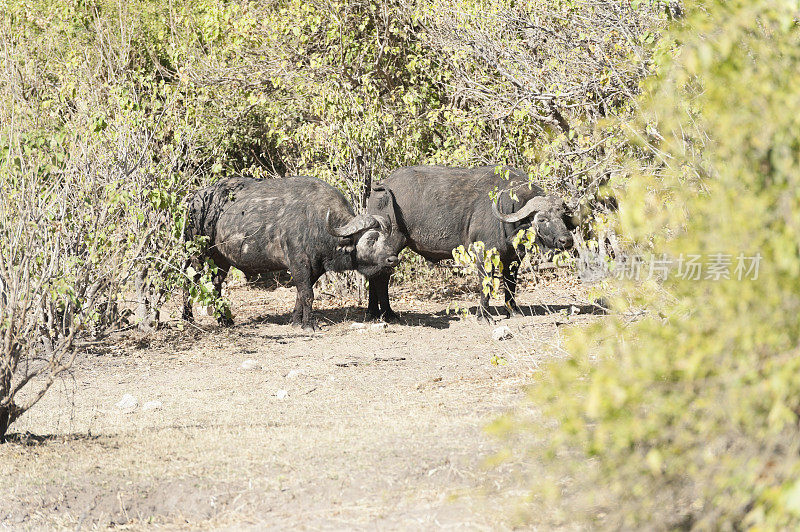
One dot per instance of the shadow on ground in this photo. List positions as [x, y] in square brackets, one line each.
[544, 310]
[353, 314]
[31, 440]
[499, 312]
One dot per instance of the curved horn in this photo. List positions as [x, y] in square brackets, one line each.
[539, 203]
[358, 223]
[383, 221]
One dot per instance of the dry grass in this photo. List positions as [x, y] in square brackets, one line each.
[379, 429]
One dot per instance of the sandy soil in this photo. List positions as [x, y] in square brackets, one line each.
[379, 427]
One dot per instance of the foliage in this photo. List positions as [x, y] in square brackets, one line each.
[203, 293]
[476, 258]
[339, 91]
[688, 417]
[131, 105]
[351, 90]
[543, 79]
[96, 158]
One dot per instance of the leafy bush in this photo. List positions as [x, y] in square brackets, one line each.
[95, 158]
[688, 417]
[125, 107]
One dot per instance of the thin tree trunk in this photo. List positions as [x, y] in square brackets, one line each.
[367, 169]
[143, 317]
[7, 416]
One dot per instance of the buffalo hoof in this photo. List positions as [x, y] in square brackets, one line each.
[311, 327]
[512, 311]
[390, 316]
[484, 318]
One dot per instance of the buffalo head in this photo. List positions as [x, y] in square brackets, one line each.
[381, 202]
[367, 236]
[551, 220]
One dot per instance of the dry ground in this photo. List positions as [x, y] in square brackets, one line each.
[381, 428]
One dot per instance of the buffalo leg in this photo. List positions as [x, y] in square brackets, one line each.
[510, 288]
[297, 313]
[379, 307]
[218, 279]
[373, 308]
[305, 295]
[304, 281]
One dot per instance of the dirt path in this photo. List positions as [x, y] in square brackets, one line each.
[379, 427]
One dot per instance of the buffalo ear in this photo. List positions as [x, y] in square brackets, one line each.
[572, 217]
[380, 201]
[524, 227]
[384, 222]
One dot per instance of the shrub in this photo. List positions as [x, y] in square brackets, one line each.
[92, 183]
[113, 111]
[688, 417]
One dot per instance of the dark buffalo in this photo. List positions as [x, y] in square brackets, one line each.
[436, 209]
[299, 223]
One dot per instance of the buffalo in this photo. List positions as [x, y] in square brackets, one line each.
[435, 209]
[298, 223]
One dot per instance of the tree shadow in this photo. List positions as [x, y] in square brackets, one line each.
[545, 310]
[32, 440]
[434, 320]
[353, 314]
[498, 312]
[357, 314]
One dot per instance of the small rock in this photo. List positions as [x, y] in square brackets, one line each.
[573, 310]
[128, 402]
[502, 333]
[282, 394]
[380, 326]
[251, 364]
[358, 325]
[294, 374]
[152, 405]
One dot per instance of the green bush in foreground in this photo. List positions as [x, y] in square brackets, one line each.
[688, 417]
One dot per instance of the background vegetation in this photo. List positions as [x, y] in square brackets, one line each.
[688, 417]
[113, 111]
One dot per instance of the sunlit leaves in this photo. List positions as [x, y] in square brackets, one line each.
[690, 412]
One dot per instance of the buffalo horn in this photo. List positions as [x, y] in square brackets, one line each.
[383, 221]
[358, 223]
[539, 203]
